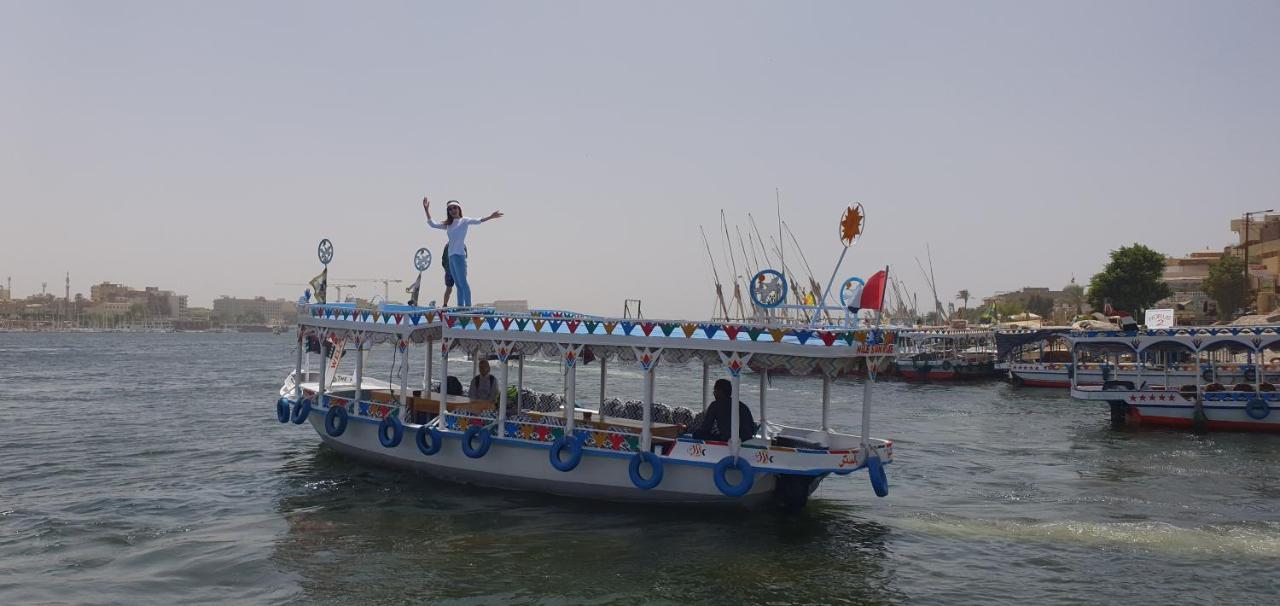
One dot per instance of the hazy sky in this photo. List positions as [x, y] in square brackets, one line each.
[207, 146]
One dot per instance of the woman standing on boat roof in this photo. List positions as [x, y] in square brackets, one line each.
[456, 225]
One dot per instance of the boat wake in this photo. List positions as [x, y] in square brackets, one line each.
[1258, 539]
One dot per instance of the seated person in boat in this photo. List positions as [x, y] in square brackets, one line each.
[453, 386]
[484, 386]
[718, 422]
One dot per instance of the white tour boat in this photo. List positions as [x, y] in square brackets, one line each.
[1042, 358]
[946, 354]
[1162, 398]
[574, 447]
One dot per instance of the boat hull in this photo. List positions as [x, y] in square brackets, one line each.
[518, 465]
[1158, 408]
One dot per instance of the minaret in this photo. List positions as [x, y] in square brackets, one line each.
[67, 297]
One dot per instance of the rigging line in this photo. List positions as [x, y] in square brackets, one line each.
[807, 269]
[777, 197]
[714, 272]
[760, 238]
[795, 287]
[728, 242]
[746, 260]
[934, 284]
[814, 286]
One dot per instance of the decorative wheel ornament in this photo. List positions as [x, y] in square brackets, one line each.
[422, 259]
[768, 288]
[325, 251]
[851, 292]
[852, 223]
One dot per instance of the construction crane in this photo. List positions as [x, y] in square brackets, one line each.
[386, 285]
[336, 287]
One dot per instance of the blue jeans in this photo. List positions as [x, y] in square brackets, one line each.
[458, 269]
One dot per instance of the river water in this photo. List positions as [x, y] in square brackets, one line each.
[147, 468]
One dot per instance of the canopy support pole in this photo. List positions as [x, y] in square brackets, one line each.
[444, 380]
[404, 377]
[324, 367]
[426, 368]
[604, 377]
[764, 419]
[359, 370]
[706, 369]
[297, 373]
[826, 402]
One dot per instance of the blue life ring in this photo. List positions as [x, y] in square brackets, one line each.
[301, 410]
[335, 421]
[472, 432]
[282, 410]
[392, 422]
[1257, 409]
[743, 467]
[425, 432]
[634, 470]
[575, 453]
[1250, 374]
[1207, 375]
[879, 481]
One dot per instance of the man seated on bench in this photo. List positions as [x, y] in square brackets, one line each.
[484, 386]
[718, 422]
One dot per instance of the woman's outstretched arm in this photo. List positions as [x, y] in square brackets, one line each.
[495, 215]
[426, 207]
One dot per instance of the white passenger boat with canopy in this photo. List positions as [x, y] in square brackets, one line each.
[1162, 397]
[581, 446]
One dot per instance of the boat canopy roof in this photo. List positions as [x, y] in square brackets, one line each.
[1193, 338]
[796, 348]
[1009, 341]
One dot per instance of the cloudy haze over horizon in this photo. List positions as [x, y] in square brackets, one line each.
[207, 147]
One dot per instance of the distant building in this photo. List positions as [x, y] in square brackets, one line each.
[1263, 244]
[155, 302]
[510, 306]
[258, 310]
[5, 295]
[1185, 277]
[1061, 308]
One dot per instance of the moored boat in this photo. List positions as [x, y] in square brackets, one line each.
[1154, 399]
[945, 355]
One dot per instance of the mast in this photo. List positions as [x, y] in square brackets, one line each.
[714, 272]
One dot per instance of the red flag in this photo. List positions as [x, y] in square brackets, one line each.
[873, 292]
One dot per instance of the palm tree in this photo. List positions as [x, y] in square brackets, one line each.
[963, 295]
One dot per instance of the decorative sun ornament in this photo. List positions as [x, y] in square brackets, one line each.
[852, 223]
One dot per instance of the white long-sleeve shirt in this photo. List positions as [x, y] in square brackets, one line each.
[457, 233]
